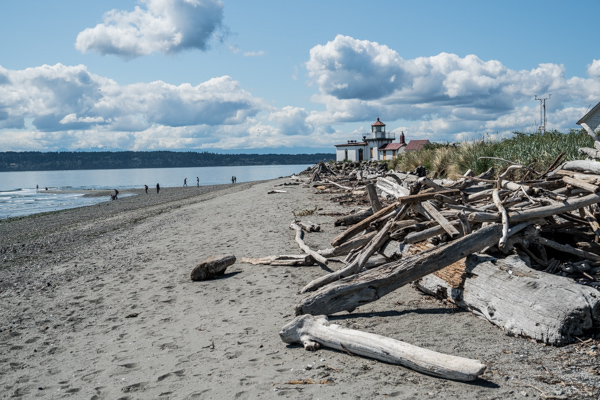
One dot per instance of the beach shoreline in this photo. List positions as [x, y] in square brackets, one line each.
[97, 303]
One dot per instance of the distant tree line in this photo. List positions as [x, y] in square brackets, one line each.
[39, 161]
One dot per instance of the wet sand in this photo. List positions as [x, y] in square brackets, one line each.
[97, 303]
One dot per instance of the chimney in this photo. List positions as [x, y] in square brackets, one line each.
[402, 142]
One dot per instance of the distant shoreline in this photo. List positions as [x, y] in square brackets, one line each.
[69, 161]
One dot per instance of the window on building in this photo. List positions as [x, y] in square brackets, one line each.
[345, 154]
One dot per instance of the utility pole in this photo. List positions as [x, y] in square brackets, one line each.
[543, 121]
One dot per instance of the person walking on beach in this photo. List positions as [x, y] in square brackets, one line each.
[185, 182]
[146, 187]
[114, 196]
[197, 181]
[157, 188]
[233, 179]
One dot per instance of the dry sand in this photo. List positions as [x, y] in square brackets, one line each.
[97, 303]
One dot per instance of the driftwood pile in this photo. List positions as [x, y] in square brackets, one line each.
[524, 255]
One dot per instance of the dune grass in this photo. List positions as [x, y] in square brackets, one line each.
[534, 150]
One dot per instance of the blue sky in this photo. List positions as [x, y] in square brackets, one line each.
[287, 76]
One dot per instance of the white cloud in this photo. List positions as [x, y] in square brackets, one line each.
[77, 109]
[442, 97]
[165, 26]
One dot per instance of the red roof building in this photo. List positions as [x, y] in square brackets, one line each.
[415, 145]
[379, 145]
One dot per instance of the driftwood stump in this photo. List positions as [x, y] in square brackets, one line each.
[212, 267]
[314, 332]
[521, 300]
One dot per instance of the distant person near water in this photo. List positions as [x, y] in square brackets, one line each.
[114, 196]
[185, 182]
[157, 188]
[146, 187]
[233, 179]
[197, 181]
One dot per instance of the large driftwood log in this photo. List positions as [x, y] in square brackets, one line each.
[314, 332]
[521, 300]
[212, 267]
[369, 286]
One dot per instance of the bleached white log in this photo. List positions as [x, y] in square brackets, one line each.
[579, 165]
[314, 332]
[303, 246]
[392, 188]
[521, 300]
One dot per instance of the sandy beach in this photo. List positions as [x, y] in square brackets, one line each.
[97, 303]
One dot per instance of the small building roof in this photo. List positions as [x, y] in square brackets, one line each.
[378, 123]
[416, 145]
[391, 146]
[589, 114]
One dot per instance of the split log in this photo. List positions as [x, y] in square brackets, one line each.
[276, 191]
[521, 300]
[314, 332]
[281, 260]
[369, 286]
[212, 267]
[304, 247]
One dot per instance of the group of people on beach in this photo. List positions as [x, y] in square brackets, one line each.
[233, 179]
[197, 181]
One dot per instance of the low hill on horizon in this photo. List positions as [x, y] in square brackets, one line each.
[51, 161]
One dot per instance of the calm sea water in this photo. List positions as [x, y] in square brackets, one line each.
[19, 197]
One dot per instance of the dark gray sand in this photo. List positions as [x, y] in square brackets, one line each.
[97, 303]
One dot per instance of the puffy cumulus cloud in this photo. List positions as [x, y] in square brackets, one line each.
[444, 96]
[80, 110]
[166, 26]
[291, 121]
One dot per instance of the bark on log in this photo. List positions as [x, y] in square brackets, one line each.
[521, 300]
[212, 267]
[314, 332]
[368, 286]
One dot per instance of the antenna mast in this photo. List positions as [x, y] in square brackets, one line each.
[543, 121]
